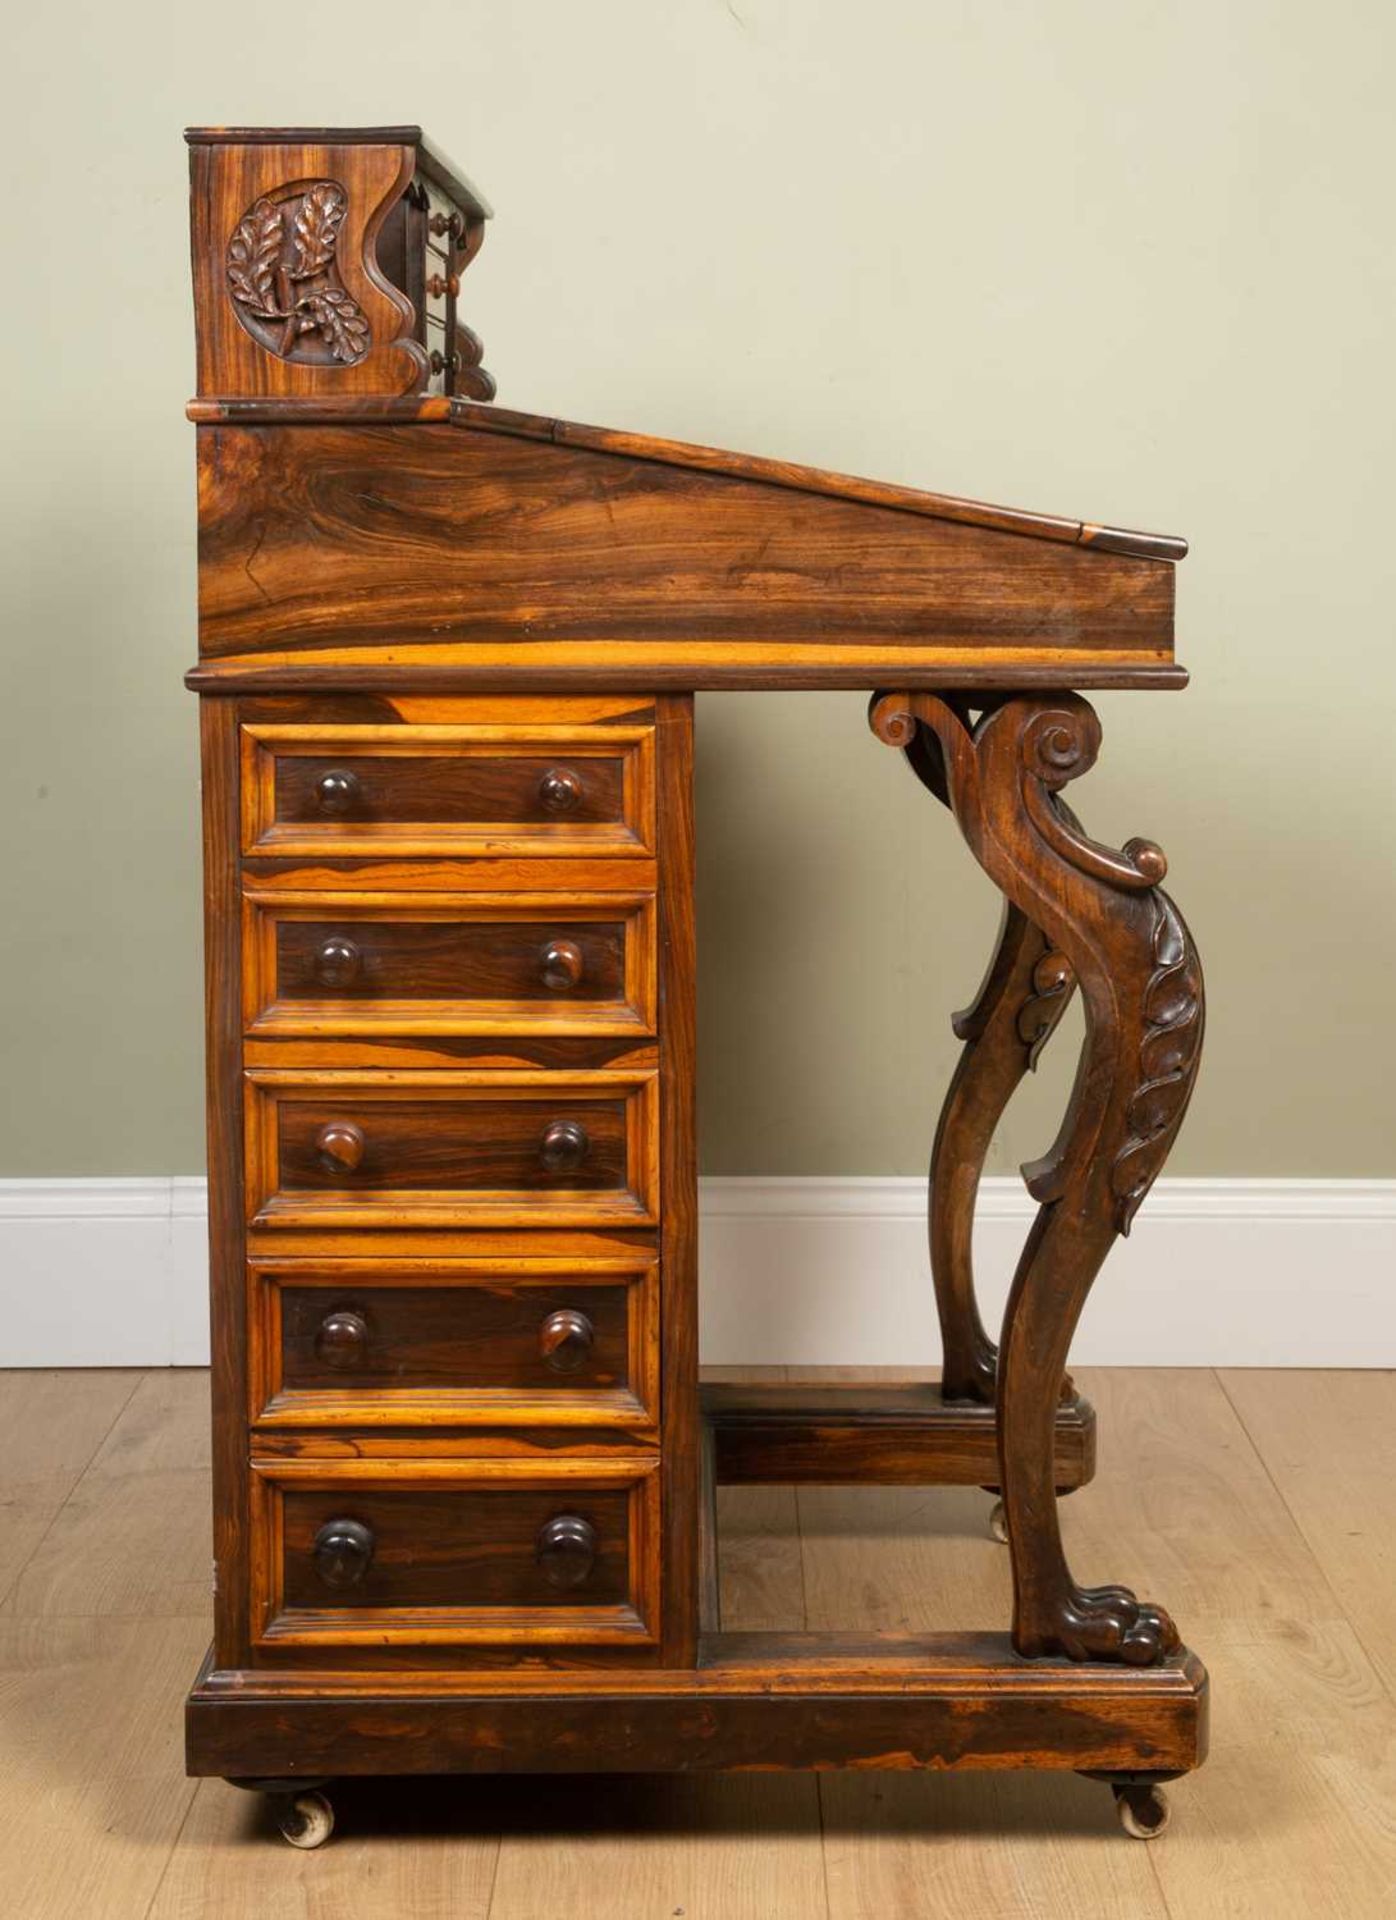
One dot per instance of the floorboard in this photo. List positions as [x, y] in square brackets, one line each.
[1254, 1505]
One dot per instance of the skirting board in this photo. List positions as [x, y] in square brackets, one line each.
[1264, 1273]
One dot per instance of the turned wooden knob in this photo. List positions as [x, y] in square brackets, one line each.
[561, 965]
[564, 1146]
[342, 1339]
[559, 790]
[337, 962]
[566, 1550]
[340, 1145]
[337, 790]
[343, 1552]
[565, 1340]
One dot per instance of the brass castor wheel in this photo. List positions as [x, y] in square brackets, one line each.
[998, 1524]
[1144, 1810]
[305, 1819]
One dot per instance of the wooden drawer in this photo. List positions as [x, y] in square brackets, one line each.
[351, 963]
[454, 1343]
[450, 1148]
[381, 1553]
[517, 789]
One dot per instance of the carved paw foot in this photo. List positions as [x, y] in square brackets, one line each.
[1102, 1623]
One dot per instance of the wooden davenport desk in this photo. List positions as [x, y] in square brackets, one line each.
[463, 1464]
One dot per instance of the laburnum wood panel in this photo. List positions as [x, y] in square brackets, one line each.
[552, 789]
[451, 1148]
[400, 548]
[346, 963]
[427, 1341]
[424, 1552]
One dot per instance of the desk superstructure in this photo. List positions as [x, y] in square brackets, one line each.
[464, 1466]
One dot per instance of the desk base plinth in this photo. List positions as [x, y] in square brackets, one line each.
[769, 1702]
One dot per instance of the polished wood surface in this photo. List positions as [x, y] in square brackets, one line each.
[341, 964]
[421, 1342]
[897, 1433]
[1260, 1497]
[613, 568]
[466, 1486]
[431, 1553]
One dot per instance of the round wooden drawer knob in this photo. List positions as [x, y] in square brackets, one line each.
[565, 1340]
[343, 1552]
[566, 1550]
[338, 961]
[337, 791]
[342, 1339]
[561, 965]
[560, 790]
[340, 1145]
[564, 1146]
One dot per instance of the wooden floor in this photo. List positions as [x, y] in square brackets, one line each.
[1258, 1506]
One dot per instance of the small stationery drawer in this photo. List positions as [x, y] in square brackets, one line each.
[451, 1148]
[339, 790]
[377, 1553]
[461, 1342]
[347, 963]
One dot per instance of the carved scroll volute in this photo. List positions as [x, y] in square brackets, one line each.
[289, 299]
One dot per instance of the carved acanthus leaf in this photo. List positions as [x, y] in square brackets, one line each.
[1168, 1060]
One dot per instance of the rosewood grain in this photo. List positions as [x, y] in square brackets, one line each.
[464, 1486]
[1122, 938]
[904, 1433]
[440, 1342]
[563, 556]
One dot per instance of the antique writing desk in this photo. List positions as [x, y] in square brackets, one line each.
[464, 1468]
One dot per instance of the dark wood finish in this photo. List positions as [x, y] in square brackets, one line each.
[465, 1493]
[327, 263]
[1141, 982]
[763, 1702]
[446, 1550]
[1026, 991]
[445, 1342]
[356, 1150]
[902, 1433]
[421, 1337]
[678, 1176]
[339, 791]
[376, 1554]
[226, 1245]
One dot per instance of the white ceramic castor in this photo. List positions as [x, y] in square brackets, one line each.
[306, 1819]
[998, 1524]
[1144, 1811]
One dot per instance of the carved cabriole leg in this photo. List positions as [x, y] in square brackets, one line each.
[1024, 994]
[1142, 989]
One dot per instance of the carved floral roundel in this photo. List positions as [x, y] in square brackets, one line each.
[283, 277]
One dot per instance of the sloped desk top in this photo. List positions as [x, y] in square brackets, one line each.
[372, 539]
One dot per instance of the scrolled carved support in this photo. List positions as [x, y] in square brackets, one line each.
[1024, 994]
[1141, 984]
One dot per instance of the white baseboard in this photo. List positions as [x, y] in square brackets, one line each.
[1273, 1273]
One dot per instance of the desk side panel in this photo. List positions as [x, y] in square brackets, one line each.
[333, 550]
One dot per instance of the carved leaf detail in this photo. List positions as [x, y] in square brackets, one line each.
[317, 224]
[339, 319]
[253, 255]
[1168, 1060]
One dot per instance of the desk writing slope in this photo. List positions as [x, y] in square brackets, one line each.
[511, 549]
[464, 1469]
